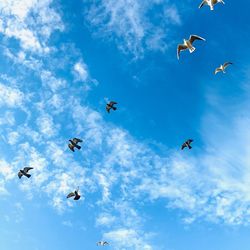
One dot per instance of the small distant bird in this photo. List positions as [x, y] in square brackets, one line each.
[102, 243]
[73, 144]
[110, 106]
[74, 194]
[187, 144]
[210, 3]
[24, 172]
[188, 44]
[222, 67]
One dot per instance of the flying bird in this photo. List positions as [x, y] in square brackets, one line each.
[210, 3]
[188, 44]
[110, 106]
[102, 243]
[74, 194]
[222, 68]
[187, 144]
[74, 144]
[24, 172]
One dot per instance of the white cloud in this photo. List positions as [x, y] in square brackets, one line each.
[32, 31]
[10, 97]
[47, 126]
[128, 22]
[80, 71]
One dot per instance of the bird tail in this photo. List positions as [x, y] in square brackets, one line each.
[192, 49]
[78, 147]
[28, 175]
[114, 108]
[211, 7]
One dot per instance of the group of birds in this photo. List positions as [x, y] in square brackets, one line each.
[188, 43]
[74, 143]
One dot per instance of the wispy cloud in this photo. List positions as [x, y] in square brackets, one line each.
[130, 24]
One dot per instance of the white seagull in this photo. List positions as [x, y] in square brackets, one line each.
[222, 68]
[188, 44]
[210, 3]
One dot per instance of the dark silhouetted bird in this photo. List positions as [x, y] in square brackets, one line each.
[24, 172]
[74, 194]
[222, 67]
[188, 44]
[73, 144]
[102, 243]
[110, 106]
[187, 144]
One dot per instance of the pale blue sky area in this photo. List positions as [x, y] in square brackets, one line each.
[61, 62]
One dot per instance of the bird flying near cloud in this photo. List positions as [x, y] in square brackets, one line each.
[187, 144]
[110, 106]
[210, 3]
[74, 144]
[24, 172]
[222, 68]
[74, 194]
[102, 243]
[188, 44]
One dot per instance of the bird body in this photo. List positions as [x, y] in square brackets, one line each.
[187, 143]
[188, 44]
[74, 144]
[74, 194]
[102, 243]
[24, 172]
[222, 68]
[110, 106]
[210, 3]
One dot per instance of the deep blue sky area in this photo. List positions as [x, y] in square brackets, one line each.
[61, 63]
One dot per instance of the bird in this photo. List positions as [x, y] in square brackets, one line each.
[188, 44]
[210, 3]
[187, 143]
[102, 243]
[110, 106]
[222, 68]
[24, 172]
[73, 144]
[74, 194]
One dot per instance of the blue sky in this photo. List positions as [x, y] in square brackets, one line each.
[61, 61]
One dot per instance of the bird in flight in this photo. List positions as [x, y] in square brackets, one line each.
[102, 243]
[74, 194]
[222, 68]
[110, 106]
[188, 44]
[74, 144]
[210, 3]
[187, 143]
[24, 172]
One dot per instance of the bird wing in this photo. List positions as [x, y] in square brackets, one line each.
[108, 108]
[20, 175]
[72, 194]
[180, 47]
[112, 103]
[71, 147]
[226, 64]
[204, 2]
[76, 140]
[217, 70]
[105, 243]
[190, 140]
[183, 146]
[27, 169]
[192, 38]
